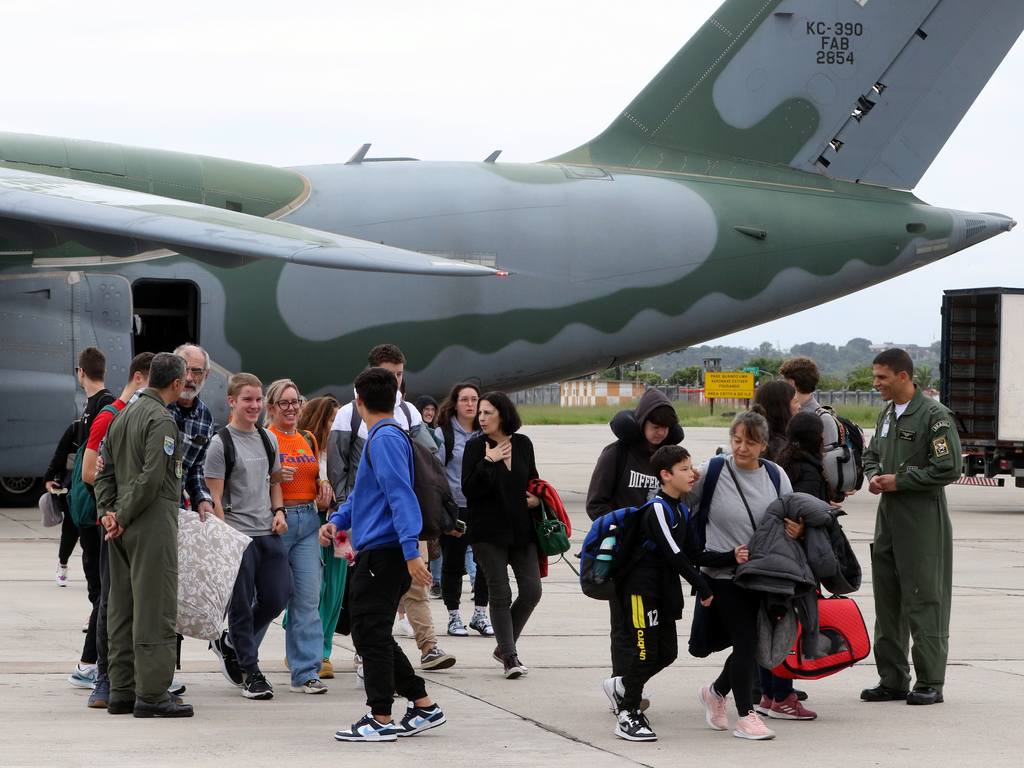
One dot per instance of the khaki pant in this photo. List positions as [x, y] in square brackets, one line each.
[143, 607]
[417, 609]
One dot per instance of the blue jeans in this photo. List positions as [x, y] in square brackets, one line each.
[304, 633]
[435, 570]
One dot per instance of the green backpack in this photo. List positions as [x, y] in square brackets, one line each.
[81, 500]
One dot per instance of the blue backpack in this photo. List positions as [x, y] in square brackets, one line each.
[698, 521]
[622, 524]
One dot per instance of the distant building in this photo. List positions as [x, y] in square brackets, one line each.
[916, 352]
[599, 392]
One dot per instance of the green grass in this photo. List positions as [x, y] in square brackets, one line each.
[690, 414]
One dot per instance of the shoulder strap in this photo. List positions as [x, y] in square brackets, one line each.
[354, 431]
[736, 482]
[621, 456]
[449, 443]
[110, 409]
[710, 481]
[309, 441]
[369, 436]
[408, 416]
[229, 464]
[269, 446]
[773, 474]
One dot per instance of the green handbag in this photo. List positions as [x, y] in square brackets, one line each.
[552, 540]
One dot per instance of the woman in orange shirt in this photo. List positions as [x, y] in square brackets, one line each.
[304, 635]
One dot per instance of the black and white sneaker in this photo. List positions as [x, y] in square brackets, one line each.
[228, 660]
[257, 687]
[513, 667]
[419, 719]
[614, 690]
[368, 729]
[633, 726]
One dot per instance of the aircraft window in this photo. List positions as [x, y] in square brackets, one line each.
[166, 314]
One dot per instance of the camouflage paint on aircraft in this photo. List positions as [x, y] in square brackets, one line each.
[763, 171]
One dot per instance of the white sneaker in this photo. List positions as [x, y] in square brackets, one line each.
[62, 575]
[403, 628]
[360, 678]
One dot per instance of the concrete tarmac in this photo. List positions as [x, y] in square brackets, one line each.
[556, 714]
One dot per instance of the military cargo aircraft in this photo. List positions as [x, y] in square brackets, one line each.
[766, 169]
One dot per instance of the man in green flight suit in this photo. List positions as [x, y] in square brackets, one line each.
[914, 454]
[139, 491]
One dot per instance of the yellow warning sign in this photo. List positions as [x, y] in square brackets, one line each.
[728, 384]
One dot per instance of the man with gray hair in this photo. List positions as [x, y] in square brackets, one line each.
[195, 423]
[138, 492]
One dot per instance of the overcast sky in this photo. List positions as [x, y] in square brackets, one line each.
[304, 83]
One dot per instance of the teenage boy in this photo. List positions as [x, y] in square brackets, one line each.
[385, 518]
[623, 478]
[249, 503]
[649, 589]
[345, 447]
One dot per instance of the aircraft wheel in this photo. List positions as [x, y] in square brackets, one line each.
[20, 491]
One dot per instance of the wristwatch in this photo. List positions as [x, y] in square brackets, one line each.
[282, 510]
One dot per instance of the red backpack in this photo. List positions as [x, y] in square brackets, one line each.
[840, 620]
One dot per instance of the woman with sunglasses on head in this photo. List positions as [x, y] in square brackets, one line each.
[496, 468]
[304, 634]
[456, 421]
[316, 417]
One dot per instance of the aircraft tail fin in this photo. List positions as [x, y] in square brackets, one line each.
[860, 90]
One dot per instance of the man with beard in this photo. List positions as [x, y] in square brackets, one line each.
[195, 423]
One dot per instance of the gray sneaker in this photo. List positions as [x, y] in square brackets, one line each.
[100, 696]
[436, 658]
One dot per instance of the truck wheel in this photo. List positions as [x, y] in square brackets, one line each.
[20, 491]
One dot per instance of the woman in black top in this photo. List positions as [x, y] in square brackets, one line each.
[496, 468]
[802, 455]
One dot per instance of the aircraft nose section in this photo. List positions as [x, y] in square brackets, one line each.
[973, 228]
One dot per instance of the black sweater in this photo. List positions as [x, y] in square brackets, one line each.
[808, 476]
[496, 511]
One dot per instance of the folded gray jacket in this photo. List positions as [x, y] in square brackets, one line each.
[789, 571]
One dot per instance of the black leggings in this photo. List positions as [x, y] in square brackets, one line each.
[90, 538]
[736, 609]
[68, 536]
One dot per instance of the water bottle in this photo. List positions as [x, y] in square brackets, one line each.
[605, 553]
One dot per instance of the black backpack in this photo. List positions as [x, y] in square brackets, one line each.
[229, 460]
[429, 483]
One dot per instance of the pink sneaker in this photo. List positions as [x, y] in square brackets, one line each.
[765, 706]
[753, 727]
[714, 706]
[790, 708]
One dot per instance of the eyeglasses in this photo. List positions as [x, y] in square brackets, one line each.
[289, 405]
[197, 373]
[469, 399]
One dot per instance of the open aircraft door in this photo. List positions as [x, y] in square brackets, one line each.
[45, 321]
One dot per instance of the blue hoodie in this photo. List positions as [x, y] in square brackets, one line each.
[382, 509]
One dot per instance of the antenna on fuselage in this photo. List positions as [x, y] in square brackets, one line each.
[357, 158]
[493, 156]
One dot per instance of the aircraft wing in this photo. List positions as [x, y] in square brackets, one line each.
[41, 211]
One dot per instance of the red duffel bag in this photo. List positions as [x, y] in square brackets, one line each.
[840, 621]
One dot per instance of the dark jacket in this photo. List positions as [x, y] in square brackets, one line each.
[634, 485]
[656, 558]
[496, 510]
[789, 571]
[64, 457]
[808, 476]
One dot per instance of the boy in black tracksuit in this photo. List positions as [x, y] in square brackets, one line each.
[648, 589]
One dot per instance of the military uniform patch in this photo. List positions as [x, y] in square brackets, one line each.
[907, 434]
[940, 446]
[177, 468]
[935, 409]
[169, 445]
[939, 425]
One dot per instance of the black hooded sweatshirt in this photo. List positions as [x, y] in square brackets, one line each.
[634, 485]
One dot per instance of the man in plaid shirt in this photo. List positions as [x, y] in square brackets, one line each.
[195, 423]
